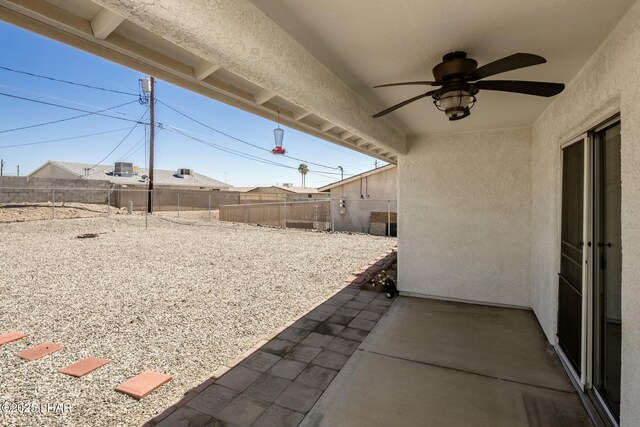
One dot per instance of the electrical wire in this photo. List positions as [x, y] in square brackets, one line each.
[64, 100]
[13, 70]
[135, 146]
[64, 120]
[62, 139]
[121, 141]
[240, 153]
[98, 113]
[241, 140]
[228, 150]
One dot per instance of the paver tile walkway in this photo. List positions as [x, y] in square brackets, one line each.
[280, 382]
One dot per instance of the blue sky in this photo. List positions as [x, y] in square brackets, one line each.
[22, 50]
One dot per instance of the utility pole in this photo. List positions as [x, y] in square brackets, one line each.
[152, 131]
[18, 170]
[1, 166]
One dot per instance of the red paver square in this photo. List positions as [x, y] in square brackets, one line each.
[84, 366]
[11, 336]
[143, 384]
[41, 350]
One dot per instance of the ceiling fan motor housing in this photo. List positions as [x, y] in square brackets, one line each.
[454, 65]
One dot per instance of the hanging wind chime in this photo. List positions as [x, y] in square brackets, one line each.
[278, 133]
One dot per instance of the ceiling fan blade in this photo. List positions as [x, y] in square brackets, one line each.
[516, 86]
[508, 63]
[428, 83]
[403, 103]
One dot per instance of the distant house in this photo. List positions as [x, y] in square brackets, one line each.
[125, 175]
[366, 203]
[277, 193]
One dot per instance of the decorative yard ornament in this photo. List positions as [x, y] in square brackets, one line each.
[277, 136]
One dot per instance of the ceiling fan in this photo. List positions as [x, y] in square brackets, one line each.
[461, 80]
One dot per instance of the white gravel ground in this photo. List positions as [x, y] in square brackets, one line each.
[182, 299]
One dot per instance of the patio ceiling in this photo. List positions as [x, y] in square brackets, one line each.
[369, 42]
[315, 62]
[229, 51]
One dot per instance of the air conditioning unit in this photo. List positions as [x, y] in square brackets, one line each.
[123, 169]
[184, 172]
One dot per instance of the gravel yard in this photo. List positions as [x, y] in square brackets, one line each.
[183, 297]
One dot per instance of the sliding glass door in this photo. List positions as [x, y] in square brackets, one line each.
[607, 267]
[570, 279]
[590, 277]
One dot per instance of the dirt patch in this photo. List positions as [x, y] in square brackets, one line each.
[43, 211]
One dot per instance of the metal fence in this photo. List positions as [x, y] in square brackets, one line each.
[174, 200]
[29, 203]
[371, 216]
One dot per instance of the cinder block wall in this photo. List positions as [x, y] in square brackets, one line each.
[23, 189]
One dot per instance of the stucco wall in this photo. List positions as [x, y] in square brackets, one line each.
[379, 193]
[54, 172]
[607, 84]
[466, 216]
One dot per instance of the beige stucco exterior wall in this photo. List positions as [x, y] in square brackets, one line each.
[379, 193]
[609, 83]
[466, 216]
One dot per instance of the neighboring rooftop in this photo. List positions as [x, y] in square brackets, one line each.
[188, 178]
[289, 188]
[356, 177]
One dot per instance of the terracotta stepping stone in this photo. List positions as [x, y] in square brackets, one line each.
[143, 384]
[41, 350]
[84, 366]
[11, 336]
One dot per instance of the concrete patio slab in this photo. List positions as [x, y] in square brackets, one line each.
[378, 390]
[443, 364]
[499, 342]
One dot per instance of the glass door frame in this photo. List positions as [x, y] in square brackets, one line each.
[581, 378]
[584, 380]
[601, 406]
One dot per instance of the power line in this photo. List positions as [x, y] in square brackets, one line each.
[239, 153]
[64, 120]
[134, 146]
[141, 143]
[62, 139]
[69, 108]
[58, 98]
[241, 140]
[228, 150]
[122, 140]
[67, 81]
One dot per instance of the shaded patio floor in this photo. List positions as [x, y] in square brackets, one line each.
[437, 363]
[354, 361]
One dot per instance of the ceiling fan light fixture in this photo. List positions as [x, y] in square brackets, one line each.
[461, 79]
[455, 103]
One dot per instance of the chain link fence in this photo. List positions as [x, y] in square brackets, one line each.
[371, 216]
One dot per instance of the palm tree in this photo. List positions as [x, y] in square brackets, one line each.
[303, 169]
